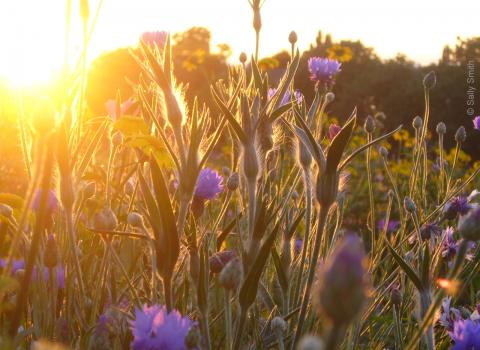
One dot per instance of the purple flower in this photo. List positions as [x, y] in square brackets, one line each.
[52, 201]
[218, 260]
[287, 97]
[392, 225]
[429, 230]
[17, 264]
[297, 246]
[157, 38]
[449, 314]
[323, 70]
[476, 123]
[459, 205]
[155, 328]
[466, 335]
[449, 244]
[209, 184]
[333, 130]
[60, 271]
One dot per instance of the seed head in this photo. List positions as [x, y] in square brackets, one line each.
[329, 97]
[278, 325]
[242, 58]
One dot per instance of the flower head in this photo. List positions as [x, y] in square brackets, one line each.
[476, 123]
[155, 328]
[466, 335]
[323, 70]
[52, 201]
[392, 225]
[449, 314]
[459, 205]
[430, 229]
[209, 184]
[157, 38]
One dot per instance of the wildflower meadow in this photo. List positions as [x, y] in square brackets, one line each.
[258, 220]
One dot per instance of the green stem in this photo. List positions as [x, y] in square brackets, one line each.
[228, 320]
[370, 193]
[240, 328]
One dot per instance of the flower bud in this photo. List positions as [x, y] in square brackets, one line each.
[441, 128]
[333, 130]
[430, 80]
[251, 164]
[231, 275]
[6, 210]
[369, 125]
[469, 225]
[292, 37]
[117, 139]
[342, 284]
[226, 171]
[409, 205]
[396, 296]
[310, 342]
[326, 188]
[135, 220]
[417, 122]
[89, 190]
[50, 255]
[242, 58]
[105, 220]
[329, 97]
[233, 181]
[279, 326]
[461, 134]
[383, 152]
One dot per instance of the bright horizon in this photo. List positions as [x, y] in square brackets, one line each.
[35, 50]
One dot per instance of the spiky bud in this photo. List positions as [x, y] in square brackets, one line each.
[369, 125]
[409, 205]
[461, 135]
[343, 284]
[383, 152]
[441, 128]
[430, 80]
[292, 37]
[135, 220]
[242, 58]
[233, 181]
[50, 255]
[231, 275]
[469, 225]
[279, 326]
[310, 342]
[417, 122]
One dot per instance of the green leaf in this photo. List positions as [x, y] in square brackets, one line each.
[230, 117]
[411, 274]
[339, 143]
[150, 145]
[282, 276]
[130, 125]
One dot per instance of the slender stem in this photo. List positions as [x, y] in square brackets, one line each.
[240, 327]
[450, 175]
[257, 44]
[442, 168]
[398, 328]
[183, 208]
[334, 338]
[167, 288]
[322, 218]
[395, 191]
[228, 320]
[370, 193]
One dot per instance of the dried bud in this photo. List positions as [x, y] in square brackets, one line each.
[117, 139]
[409, 205]
[242, 58]
[430, 80]
[279, 326]
[342, 282]
[383, 152]
[233, 181]
[461, 134]
[50, 255]
[417, 122]
[6, 210]
[310, 342]
[135, 220]
[292, 37]
[231, 275]
[105, 220]
[441, 128]
[469, 225]
[192, 339]
[396, 296]
[369, 125]
[89, 190]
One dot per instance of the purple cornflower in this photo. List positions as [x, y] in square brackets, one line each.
[218, 260]
[476, 123]
[155, 328]
[287, 97]
[157, 38]
[297, 246]
[449, 244]
[209, 184]
[459, 205]
[392, 225]
[465, 335]
[333, 130]
[430, 229]
[323, 70]
[449, 314]
[52, 201]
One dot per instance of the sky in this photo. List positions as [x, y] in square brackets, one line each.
[32, 32]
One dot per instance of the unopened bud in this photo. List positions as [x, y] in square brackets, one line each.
[135, 220]
[369, 125]
[461, 134]
[105, 220]
[292, 37]
[279, 326]
[417, 122]
[226, 171]
[329, 97]
[310, 342]
[396, 296]
[117, 139]
[469, 225]
[50, 256]
[409, 205]
[231, 275]
[250, 162]
[242, 58]
[430, 80]
[441, 128]
[383, 152]
[257, 19]
[233, 181]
